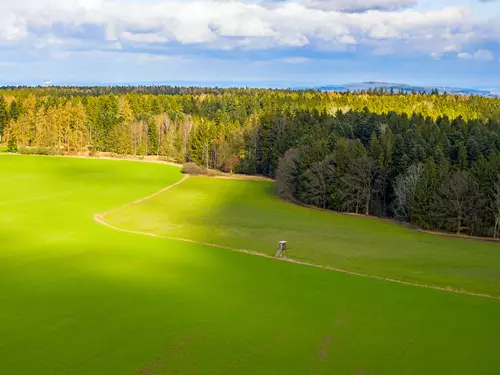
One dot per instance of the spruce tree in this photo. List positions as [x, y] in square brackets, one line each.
[12, 145]
[153, 138]
[3, 116]
[14, 110]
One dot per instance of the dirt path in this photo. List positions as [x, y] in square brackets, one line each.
[102, 156]
[462, 236]
[154, 160]
[100, 218]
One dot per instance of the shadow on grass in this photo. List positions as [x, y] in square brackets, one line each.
[249, 215]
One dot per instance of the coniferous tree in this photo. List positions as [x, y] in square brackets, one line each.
[152, 138]
[4, 117]
[495, 203]
[14, 110]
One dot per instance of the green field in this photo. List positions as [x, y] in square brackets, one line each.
[248, 215]
[77, 297]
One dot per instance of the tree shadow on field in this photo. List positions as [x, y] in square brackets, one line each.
[250, 215]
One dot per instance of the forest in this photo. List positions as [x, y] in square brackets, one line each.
[423, 158]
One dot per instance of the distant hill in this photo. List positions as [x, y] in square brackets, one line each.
[397, 87]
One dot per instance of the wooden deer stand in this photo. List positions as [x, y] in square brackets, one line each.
[281, 253]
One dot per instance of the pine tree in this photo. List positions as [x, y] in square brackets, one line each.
[14, 110]
[12, 145]
[462, 163]
[153, 138]
[495, 203]
[3, 116]
[422, 203]
[201, 142]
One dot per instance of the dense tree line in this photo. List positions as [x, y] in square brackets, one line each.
[438, 174]
[429, 159]
[116, 90]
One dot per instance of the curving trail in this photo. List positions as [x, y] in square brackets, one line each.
[100, 218]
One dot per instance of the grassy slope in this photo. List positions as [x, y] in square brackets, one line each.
[247, 214]
[80, 298]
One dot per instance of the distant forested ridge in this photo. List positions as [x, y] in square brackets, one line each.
[428, 159]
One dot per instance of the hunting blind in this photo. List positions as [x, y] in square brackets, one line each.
[281, 253]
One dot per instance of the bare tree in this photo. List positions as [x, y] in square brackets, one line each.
[459, 195]
[319, 180]
[357, 183]
[405, 189]
[287, 173]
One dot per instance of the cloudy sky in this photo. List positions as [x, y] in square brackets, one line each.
[254, 42]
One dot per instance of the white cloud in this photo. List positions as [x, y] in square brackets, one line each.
[451, 48]
[384, 26]
[143, 37]
[464, 56]
[12, 27]
[480, 55]
[358, 5]
[483, 55]
[297, 60]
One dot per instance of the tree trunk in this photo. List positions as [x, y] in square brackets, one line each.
[459, 222]
[67, 135]
[325, 197]
[384, 196]
[205, 151]
[367, 210]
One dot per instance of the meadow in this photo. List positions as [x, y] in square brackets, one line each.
[249, 215]
[78, 297]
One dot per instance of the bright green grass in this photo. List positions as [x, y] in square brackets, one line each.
[78, 298]
[248, 214]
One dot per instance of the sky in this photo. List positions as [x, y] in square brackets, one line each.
[269, 43]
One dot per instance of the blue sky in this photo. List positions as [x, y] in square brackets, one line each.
[254, 42]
